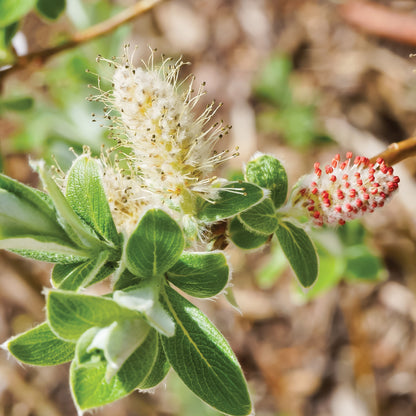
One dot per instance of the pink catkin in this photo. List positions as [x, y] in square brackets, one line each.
[345, 190]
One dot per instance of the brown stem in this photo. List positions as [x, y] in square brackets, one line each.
[380, 20]
[396, 152]
[100, 29]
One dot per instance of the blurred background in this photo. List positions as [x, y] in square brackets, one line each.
[299, 79]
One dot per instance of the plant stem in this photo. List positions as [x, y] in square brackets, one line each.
[98, 30]
[396, 152]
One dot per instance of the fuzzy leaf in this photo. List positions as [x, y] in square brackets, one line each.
[203, 359]
[232, 199]
[244, 238]
[71, 314]
[261, 218]
[51, 9]
[25, 211]
[267, 172]
[40, 346]
[155, 245]
[88, 372]
[75, 276]
[76, 229]
[200, 274]
[159, 370]
[300, 252]
[85, 194]
[12, 10]
[43, 249]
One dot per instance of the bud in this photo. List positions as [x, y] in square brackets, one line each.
[343, 191]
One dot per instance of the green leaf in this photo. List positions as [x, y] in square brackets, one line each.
[71, 314]
[85, 194]
[203, 359]
[16, 103]
[300, 252]
[43, 249]
[267, 172]
[24, 211]
[261, 218]
[40, 346]
[273, 83]
[363, 264]
[88, 372]
[200, 274]
[77, 230]
[155, 245]
[75, 276]
[9, 33]
[12, 10]
[159, 370]
[51, 9]
[244, 238]
[232, 199]
[126, 279]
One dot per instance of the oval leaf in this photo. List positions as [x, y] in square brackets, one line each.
[203, 359]
[51, 9]
[40, 346]
[71, 314]
[232, 199]
[155, 245]
[244, 238]
[200, 274]
[261, 218]
[85, 194]
[300, 252]
[267, 172]
[88, 372]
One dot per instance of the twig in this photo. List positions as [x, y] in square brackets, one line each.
[380, 20]
[396, 152]
[84, 36]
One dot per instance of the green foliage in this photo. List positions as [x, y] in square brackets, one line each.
[11, 10]
[84, 178]
[300, 252]
[261, 218]
[51, 9]
[16, 104]
[71, 314]
[40, 346]
[244, 238]
[89, 384]
[280, 112]
[202, 275]
[203, 359]
[155, 245]
[233, 198]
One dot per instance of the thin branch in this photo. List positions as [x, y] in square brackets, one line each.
[379, 20]
[96, 31]
[396, 152]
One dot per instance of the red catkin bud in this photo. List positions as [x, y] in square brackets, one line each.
[329, 198]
